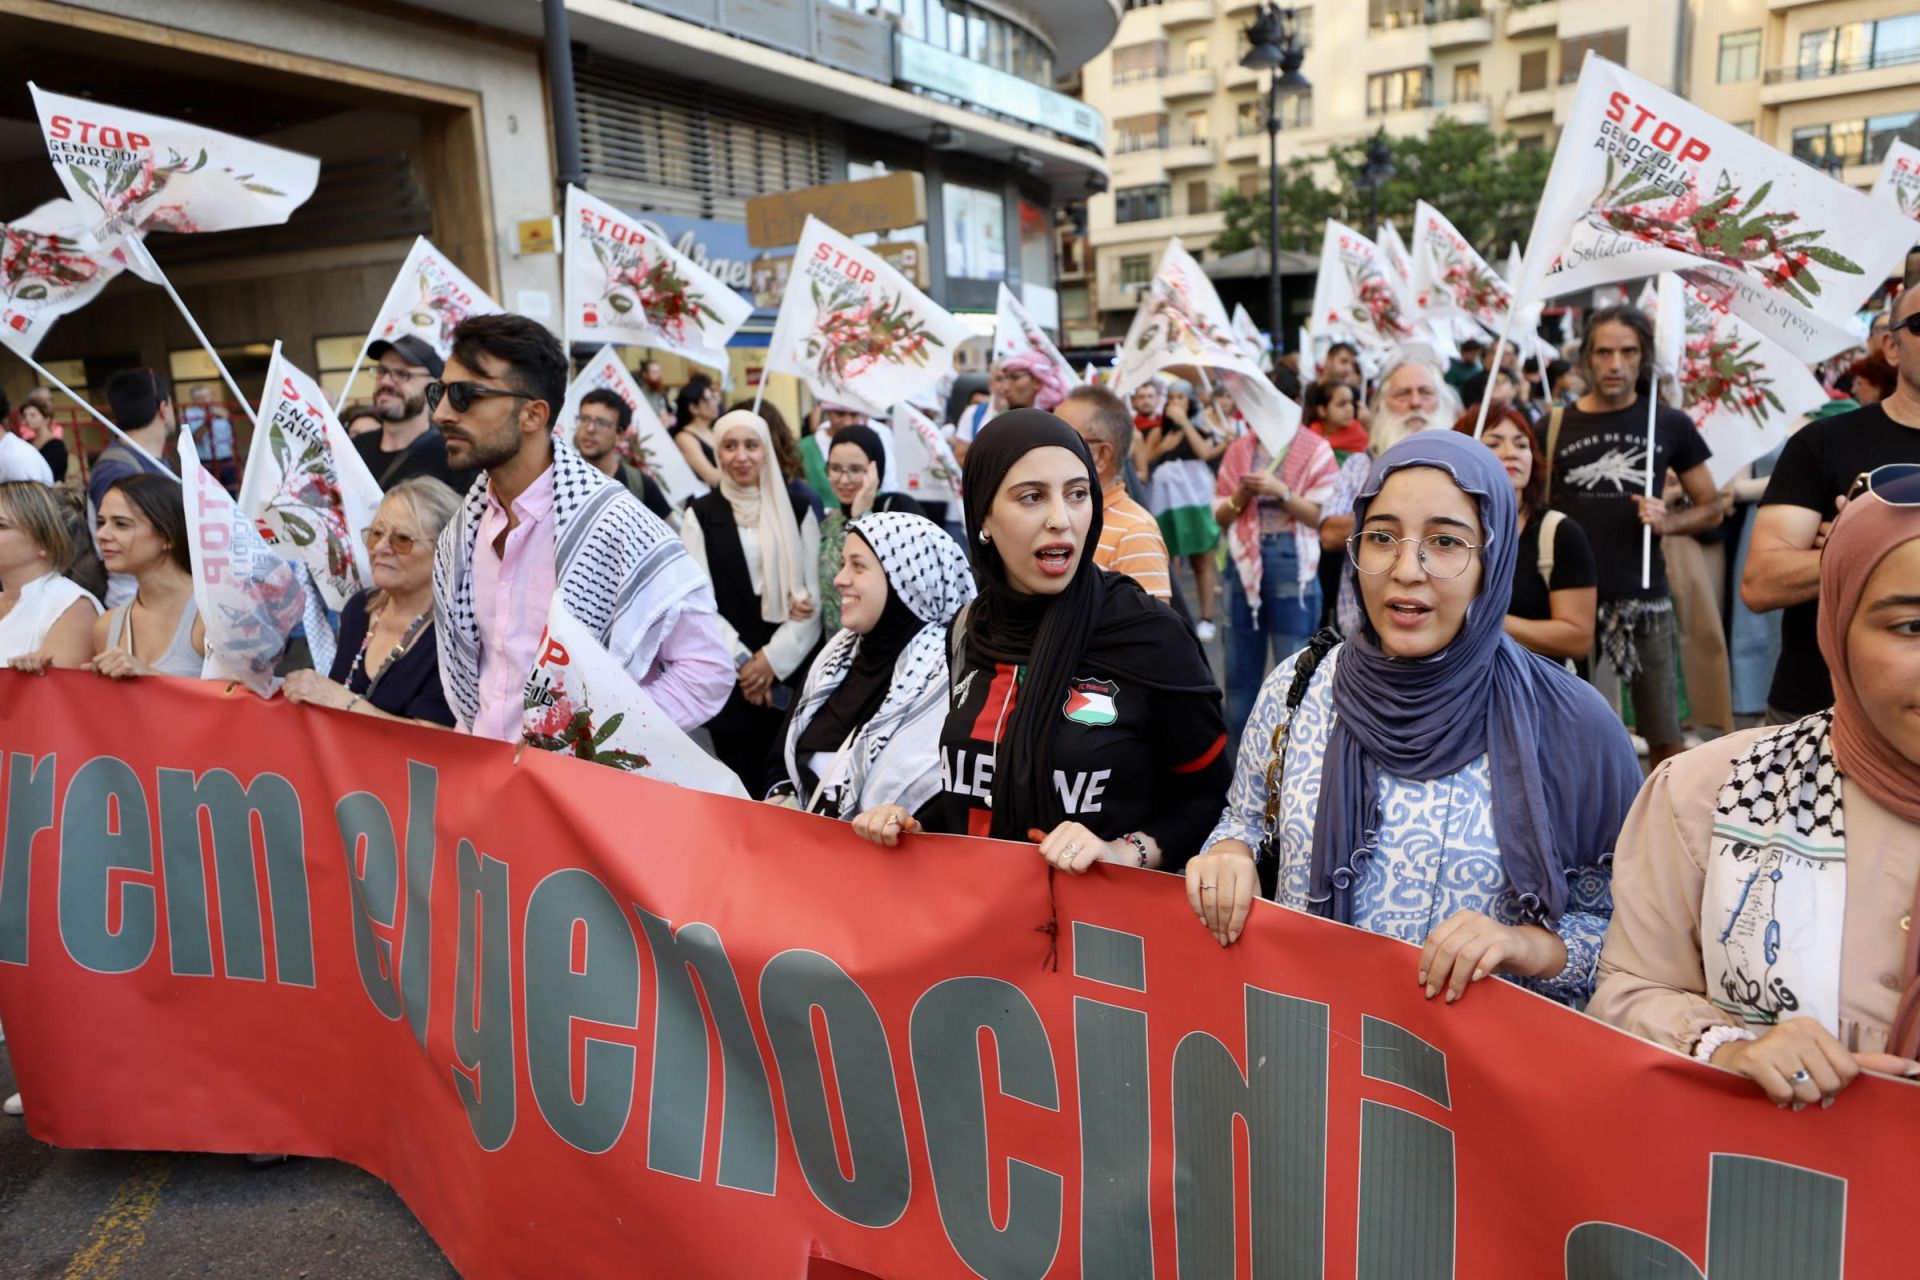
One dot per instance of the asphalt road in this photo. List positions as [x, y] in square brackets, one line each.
[90, 1215]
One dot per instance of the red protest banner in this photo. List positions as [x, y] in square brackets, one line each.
[588, 1024]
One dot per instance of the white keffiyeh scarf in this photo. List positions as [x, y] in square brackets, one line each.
[1773, 908]
[895, 757]
[618, 568]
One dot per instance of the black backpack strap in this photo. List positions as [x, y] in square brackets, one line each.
[1304, 665]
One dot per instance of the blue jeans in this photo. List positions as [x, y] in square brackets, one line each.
[1289, 615]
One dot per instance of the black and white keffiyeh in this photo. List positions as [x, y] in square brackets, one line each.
[618, 567]
[894, 758]
[1773, 907]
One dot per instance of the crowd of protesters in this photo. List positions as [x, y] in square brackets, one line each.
[1430, 636]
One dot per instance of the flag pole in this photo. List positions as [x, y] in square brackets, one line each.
[346, 388]
[1646, 530]
[140, 248]
[1493, 366]
[94, 413]
[760, 389]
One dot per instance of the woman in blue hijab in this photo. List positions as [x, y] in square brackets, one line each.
[1433, 781]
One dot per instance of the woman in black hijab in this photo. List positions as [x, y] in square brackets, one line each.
[856, 466]
[1084, 715]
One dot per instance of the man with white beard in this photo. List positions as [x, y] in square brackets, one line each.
[1412, 396]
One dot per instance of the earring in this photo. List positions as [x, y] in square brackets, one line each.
[983, 537]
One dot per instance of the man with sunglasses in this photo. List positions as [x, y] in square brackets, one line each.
[407, 445]
[545, 521]
[1817, 468]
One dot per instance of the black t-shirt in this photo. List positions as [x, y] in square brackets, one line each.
[1599, 463]
[1125, 758]
[1573, 568]
[410, 687]
[1820, 463]
[426, 456]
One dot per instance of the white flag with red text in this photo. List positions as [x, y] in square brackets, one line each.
[649, 442]
[1353, 298]
[48, 269]
[1450, 278]
[1181, 321]
[1742, 389]
[428, 300]
[579, 701]
[307, 488]
[1644, 182]
[134, 172]
[625, 284]
[855, 330]
[249, 597]
[1899, 180]
[927, 467]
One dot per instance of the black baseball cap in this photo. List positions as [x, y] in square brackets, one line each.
[413, 349]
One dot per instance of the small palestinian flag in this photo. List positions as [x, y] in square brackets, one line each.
[1090, 702]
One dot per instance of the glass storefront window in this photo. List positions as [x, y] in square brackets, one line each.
[975, 223]
[1036, 245]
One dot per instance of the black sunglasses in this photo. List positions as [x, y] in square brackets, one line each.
[461, 395]
[1911, 324]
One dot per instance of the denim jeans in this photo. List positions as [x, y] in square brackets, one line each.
[1289, 615]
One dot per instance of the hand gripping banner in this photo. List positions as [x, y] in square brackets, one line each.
[588, 1024]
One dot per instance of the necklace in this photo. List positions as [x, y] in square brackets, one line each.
[405, 642]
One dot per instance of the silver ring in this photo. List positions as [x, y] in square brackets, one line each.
[1205, 887]
[1070, 851]
[1800, 1077]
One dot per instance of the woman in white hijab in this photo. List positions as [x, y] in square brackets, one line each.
[866, 728]
[759, 541]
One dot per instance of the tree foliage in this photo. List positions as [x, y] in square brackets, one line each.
[1485, 184]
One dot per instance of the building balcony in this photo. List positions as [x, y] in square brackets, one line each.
[1151, 234]
[1801, 84]
[1233, 7]
[1473, 110]
[1528, 104]
[1185, 13]
[1187, 84]
[1191, 154]
[1461, 29]
[1533, 19]
[1244, 146]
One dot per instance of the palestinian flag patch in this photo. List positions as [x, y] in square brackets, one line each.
[1090, 702]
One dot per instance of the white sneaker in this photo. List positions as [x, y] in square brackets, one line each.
[1207, 632]
[13, 1106]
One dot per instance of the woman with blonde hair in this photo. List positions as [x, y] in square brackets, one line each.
[46, 620]
[387, 663]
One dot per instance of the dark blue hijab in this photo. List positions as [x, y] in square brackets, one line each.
[1429, 717]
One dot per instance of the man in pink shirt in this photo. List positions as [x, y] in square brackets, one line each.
[547, 521]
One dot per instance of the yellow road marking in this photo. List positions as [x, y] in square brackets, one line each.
[121, 1229]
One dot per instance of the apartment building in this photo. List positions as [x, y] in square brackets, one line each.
[1188, 122]
[1833, 83]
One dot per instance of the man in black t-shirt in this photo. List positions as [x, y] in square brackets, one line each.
[407, 444]
[1599, 474]
[1816, 469]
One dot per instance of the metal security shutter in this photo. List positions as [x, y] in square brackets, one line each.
[649, 141]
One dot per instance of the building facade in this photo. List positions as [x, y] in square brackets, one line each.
[1189, 122]
[431, 118]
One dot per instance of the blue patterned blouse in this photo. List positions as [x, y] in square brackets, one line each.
[1436, 854]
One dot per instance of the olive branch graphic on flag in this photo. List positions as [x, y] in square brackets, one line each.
[133, 179]
[1720, 374]
[853, 334]
[1728, 228]
[34, 263]
[667, 300]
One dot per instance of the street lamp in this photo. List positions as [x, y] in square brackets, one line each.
[1273, 46]
[1374, 174]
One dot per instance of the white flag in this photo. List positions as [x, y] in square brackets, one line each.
[855, 330]
[1742, 389]
[659, 456]
[1252, 341]
[1899, 180]
[1397, 262]
[429, 299]
[47, 270]
[625, 284]
[1644, 182]
[927, 467]
[1663, 299]
[580, 702]
[1015, 333]
[1269, 414]
[1450, 278]
[1353, 298]
[1181, 321]
[1309, 364]
[138, 173]
[249, 598]
[307, 488]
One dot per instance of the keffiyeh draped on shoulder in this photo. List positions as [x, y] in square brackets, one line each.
[620, 569]
[893, 757]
